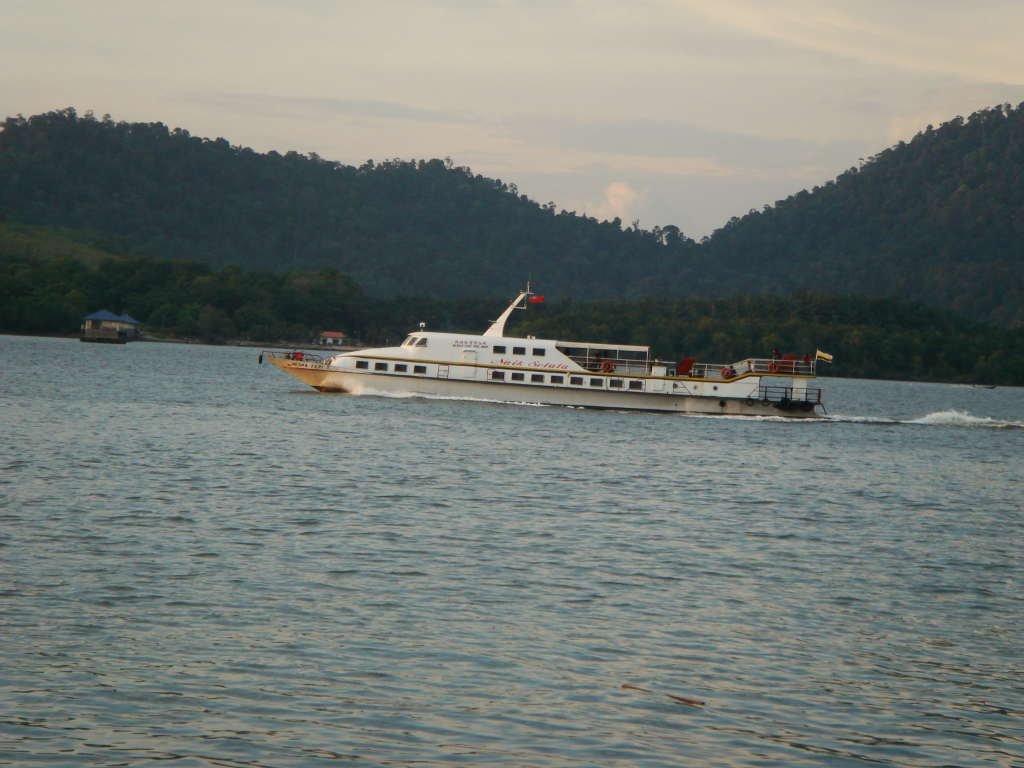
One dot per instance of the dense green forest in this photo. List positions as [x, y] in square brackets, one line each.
[412, 227]
[871, 337]
[939, 219]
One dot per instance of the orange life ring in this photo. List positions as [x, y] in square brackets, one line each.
[773, 367]
[727, 374]
[298, 355]
[607, 366]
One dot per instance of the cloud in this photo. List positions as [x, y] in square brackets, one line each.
[618, 202]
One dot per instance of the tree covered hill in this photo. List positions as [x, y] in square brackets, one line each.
[424, 228]
[939, 219]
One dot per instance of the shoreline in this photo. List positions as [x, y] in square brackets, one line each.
[318, 348]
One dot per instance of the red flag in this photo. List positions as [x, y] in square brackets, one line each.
[536, 299]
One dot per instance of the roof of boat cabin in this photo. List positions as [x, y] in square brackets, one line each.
[514, 339]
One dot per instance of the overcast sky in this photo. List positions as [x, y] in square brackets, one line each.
[680, 112]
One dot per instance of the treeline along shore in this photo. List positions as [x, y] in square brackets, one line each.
[870, 337]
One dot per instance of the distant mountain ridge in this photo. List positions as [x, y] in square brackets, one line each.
[423, 228]
[938, 219]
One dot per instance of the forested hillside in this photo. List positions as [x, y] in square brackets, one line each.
[939, 219]
[424, 228]
[884, 338]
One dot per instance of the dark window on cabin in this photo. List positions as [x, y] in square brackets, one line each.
[537, 378]
[615, 383]
[559, 380]
[576, 381]
[518, 377]
[419, 369]
[422, 342]
[498, 375]
[538, 352]
[518, 350]
[597, 382]
[636, 385]
[399, 368]
[362, 364]
[499, 350]
[380, 366]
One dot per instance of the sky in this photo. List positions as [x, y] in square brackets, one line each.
[683, 112]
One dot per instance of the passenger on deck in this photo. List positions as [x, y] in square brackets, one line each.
[776, 355]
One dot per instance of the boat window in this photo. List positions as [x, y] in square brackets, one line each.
[399, 368]
[518, 376]
[518, 350]
[498, 375]
[636, 385]
[576, 381]
[380, 366]
[558, 380]
[537, 378]
[597, 382]
[362, 364]
[499, 350]
[409, 340]
[422, 341]
[538, 352]
[419, 369]
[616, 383]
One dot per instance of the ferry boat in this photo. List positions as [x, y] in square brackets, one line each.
[493, 366]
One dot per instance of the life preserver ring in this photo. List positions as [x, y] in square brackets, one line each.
[773, 367]
[298, 355]
[607, 366]
[727, 373]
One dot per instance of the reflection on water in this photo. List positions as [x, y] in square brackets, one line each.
[196, 564]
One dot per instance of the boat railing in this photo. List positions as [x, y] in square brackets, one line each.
[296, 354]
[621, 367]
[769, 394]
[761, 366]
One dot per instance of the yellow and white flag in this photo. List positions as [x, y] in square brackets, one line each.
[819, 355]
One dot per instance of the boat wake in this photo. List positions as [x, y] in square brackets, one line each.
[955, 418]
[950, 418]
[370, 391]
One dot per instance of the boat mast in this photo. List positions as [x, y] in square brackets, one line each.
[498, 326]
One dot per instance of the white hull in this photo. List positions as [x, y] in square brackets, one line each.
[736, 402]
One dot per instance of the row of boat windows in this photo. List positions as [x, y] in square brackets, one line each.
[399, 367]
[535, 378]
[500, 350]
[574, 381]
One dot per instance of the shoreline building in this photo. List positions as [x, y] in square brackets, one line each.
[105, 327]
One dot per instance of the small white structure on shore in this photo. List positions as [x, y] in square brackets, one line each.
[332, 338]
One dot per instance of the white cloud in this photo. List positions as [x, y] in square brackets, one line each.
[619, 199]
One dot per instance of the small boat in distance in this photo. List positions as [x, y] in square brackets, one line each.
[493, 366]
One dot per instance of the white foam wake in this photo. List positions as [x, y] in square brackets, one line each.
[402, 395]
[955, 418]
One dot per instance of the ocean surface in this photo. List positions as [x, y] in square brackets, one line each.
[202, 561]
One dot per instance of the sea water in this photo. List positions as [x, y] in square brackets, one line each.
[203, 561]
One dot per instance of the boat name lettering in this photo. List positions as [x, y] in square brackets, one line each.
[534, 364]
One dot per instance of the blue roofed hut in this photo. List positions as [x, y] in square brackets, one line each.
[107, 328]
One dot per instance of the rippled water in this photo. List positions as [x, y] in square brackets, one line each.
[201, 560]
